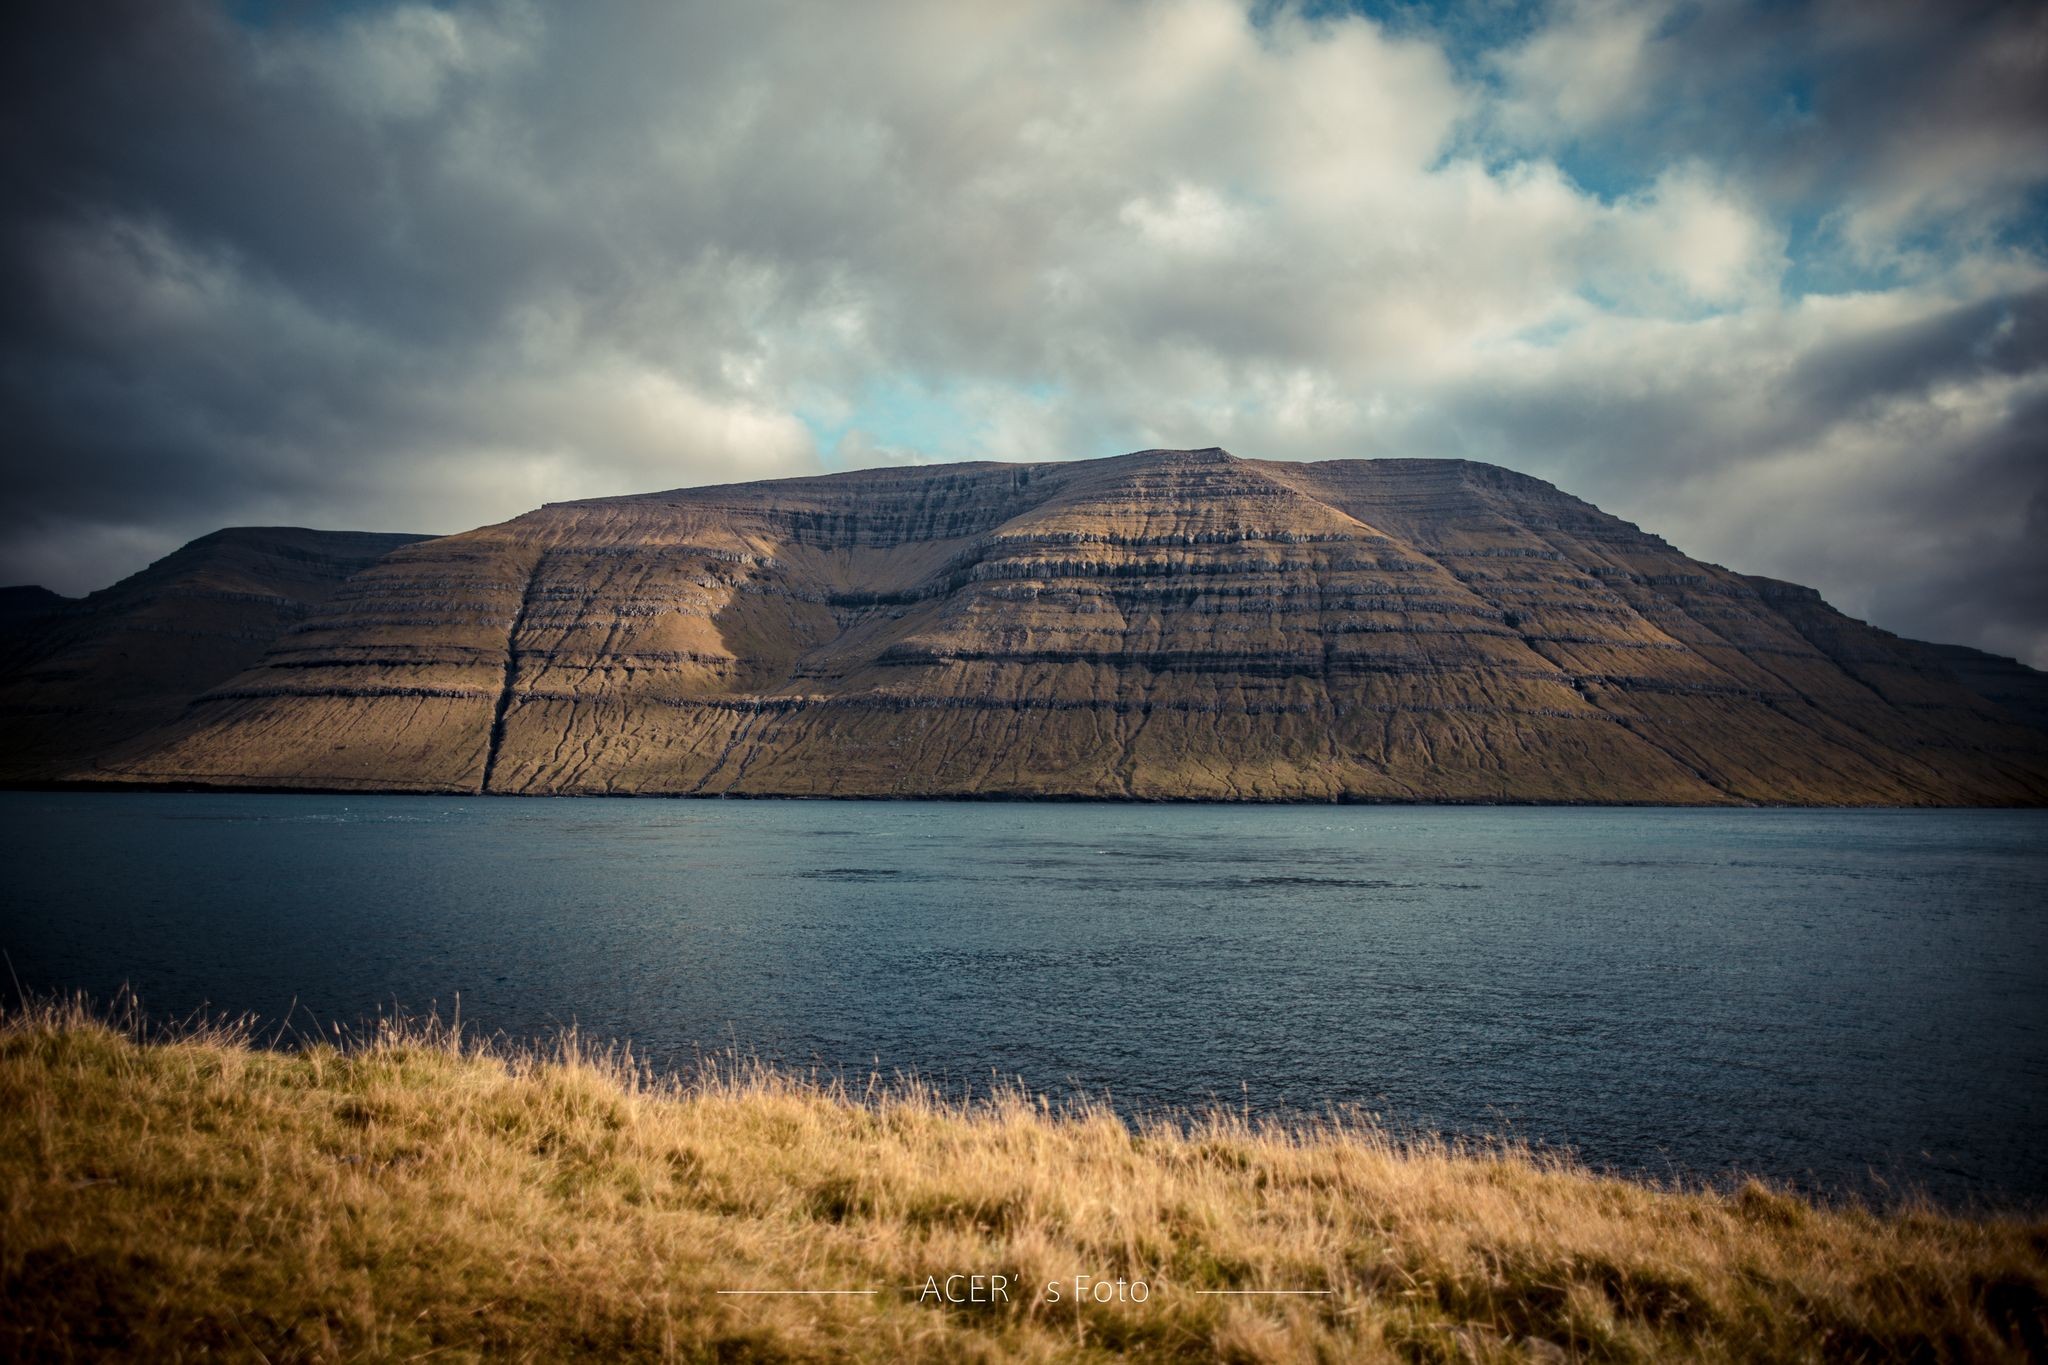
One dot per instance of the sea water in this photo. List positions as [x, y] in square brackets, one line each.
[1854, 1001]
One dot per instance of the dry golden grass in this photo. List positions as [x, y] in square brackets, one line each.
[414, 1196]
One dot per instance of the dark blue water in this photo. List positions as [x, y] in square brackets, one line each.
[1836, 998]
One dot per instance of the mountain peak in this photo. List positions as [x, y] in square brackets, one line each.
[1168, 624]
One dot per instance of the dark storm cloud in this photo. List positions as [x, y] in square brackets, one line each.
[240, 288]
[2002, 337]
[1762, 277]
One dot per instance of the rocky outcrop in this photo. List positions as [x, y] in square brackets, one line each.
[81, 675]
[1169, 624]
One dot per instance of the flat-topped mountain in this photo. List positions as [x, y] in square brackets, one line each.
[1168, 624]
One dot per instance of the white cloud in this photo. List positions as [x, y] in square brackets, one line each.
[1589, 63]
[1694, 238]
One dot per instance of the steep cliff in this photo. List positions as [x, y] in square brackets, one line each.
[1168, 624]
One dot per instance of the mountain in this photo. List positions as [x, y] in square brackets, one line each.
[2007, 683]
[1168, 624]
[78, 675]
[26, 605]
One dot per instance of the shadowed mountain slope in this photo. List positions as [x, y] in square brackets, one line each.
[79, 675]
[2006, 683]
[1168, 624]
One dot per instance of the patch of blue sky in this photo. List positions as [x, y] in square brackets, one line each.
[2028, 230]
[934, 421]
[1820, 262]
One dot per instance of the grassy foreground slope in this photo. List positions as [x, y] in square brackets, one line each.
[195, 1195]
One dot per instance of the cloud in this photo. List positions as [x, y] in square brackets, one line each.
[398, 64]
[1759, 276]
[1888, 118]
[1591, 63]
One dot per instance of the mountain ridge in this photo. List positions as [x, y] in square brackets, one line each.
[1159, 625]
[79, 675]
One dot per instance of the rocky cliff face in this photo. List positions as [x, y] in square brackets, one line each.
[1169, 624]
[80, 675]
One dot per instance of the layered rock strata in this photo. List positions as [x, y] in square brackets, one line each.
[1163, 625]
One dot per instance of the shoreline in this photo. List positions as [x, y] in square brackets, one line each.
[1000, 798]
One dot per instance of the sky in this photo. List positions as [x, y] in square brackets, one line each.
[1770, 279]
